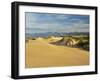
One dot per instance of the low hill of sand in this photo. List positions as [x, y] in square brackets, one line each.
[40, 53]
[39, 38]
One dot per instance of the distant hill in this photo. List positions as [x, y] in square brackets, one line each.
[28, 35]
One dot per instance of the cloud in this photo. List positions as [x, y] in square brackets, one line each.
[44, 22]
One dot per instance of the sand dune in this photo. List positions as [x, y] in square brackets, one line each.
[40, 53]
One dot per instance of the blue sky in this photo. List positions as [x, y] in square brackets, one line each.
[46, 22]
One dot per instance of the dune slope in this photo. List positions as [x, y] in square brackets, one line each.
[40, 53]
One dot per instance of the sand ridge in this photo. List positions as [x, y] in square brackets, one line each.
[40, 53]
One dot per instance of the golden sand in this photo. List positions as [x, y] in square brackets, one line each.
[39, 53]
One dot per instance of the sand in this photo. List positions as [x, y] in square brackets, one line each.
[39, 53]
